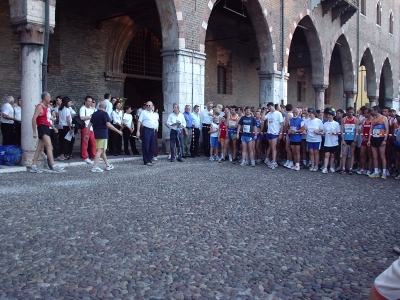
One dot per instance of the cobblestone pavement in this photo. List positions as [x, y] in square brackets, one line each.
[194, 230]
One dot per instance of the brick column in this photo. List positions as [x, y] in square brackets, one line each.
[271, 88]
[27, 19]
[349, 99]
[319, 96]
[183, 80]
[373, 100]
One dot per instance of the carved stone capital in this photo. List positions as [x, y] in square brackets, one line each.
[320, 88]
[29, 33]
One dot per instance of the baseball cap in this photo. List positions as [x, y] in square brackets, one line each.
[312, 111]
[331, 112]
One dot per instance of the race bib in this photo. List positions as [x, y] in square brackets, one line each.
[349, 128]
[293, 128]
[376, 132]
[246, 128]
[232, 123]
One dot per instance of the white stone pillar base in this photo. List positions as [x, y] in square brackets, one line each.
[183, 81]
[31, 89]
[319, 96]
[271, 88]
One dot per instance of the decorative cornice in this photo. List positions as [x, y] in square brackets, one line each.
[29, 33]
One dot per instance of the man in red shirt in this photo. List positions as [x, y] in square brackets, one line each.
[42, 123]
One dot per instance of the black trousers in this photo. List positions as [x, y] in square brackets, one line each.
[17, 133]
[206, 139]
[55, 143]
[116, 141]
[7, 130]
[64, 144]
[195, 142]
[129, 140]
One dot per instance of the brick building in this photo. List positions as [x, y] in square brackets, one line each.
[304, 52]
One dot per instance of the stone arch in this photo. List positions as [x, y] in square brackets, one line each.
[172, 24]
[368, 61]
[346, 57]
[319, 76]
[387, 74]
[258, 18]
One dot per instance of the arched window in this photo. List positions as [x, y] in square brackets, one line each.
[221, 80]
[143, 55]
[363, 7]
[378, 14]
[391, 21]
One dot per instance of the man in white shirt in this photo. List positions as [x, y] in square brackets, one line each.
[206, 117]
[274, 133]
[17, 123]
[176, 122]
[7, 121]
[85, 113]
[196, 125]
[146, 129]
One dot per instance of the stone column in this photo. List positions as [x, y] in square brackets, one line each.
[271, 88]
[319, 96]
[373, 100]
[27, 19]
[349, 99]
[183, 80]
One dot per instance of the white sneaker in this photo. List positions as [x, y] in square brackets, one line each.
[368, 173]
[89, 161]
[374, 175]
[397, 177]
[243, 164]
[332, 170]
[169, 156]
[296, 168]
[361, 172]
[59, 158]
[155, 158]
[100, 159]
[273, 166]
[311, 169]
[56, 168]
[290, 165]
[97, 170]
[230, 157]
[267, 162]
[211, 158]
[286, 164]
[315, 169]
[109, 167]
[253, 163]
[325, 171]
[34, 169]
[383, 176]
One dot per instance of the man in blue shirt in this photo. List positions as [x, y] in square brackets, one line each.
[101, 123]
[188, 133]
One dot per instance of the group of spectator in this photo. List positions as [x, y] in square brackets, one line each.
[11, 121]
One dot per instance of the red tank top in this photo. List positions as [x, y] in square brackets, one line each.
[42, 120]
[366, 128]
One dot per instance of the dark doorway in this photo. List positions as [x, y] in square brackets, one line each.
[138, 91]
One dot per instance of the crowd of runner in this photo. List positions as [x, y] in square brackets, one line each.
[346, 142]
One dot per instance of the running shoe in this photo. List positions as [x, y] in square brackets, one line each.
[290, 165]
[296, 168]
[361, 172]
[315, 169]
[56, 168]
[383, 176]
[397, 177]
[286, 164]
[273, 166]
[243, 164]
[267, 162]
[325, 171]
[230, 157]
[97, 170]
[211, 158]
[368, 173]
[34, 169]
[332, 170]
[253, 163]
[109, 167]
[374, 175]
[89, 161]
[338, 169]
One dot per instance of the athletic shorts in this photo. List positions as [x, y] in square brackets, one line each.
[271, 136]
[313, 145]
[214, 141]
[332, 149]
[349, 142]
[101, 144]
[232, 135]
[258, 137]
[364, 144]
[222, 141]
[246, 139]
[295, 143]
[376, 141]
[43, 130]
[397, 148]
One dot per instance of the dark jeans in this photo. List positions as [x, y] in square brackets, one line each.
[176, 139]
[195, 142]
[206, 139]
[115, 141]
[7, 130]
[148, 136]
[129, 140]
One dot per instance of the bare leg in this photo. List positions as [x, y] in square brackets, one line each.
[382, 150]
[97, 157]
[250, 146]
[273, 144]
[39, 150]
